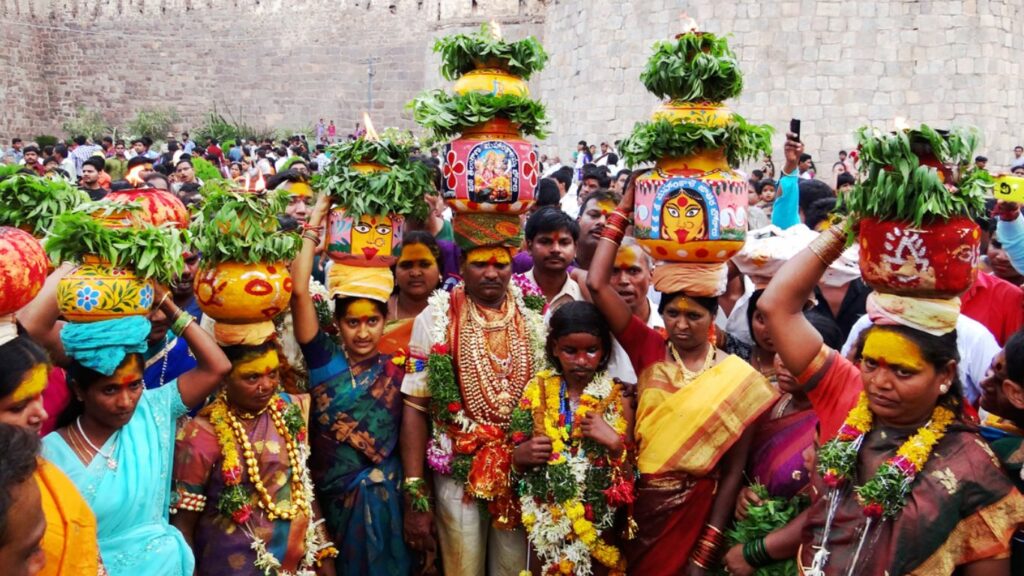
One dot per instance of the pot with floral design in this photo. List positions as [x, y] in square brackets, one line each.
[95, 291]
[370, 240]
[938, 259]
[23, 267]
[490, 168]
[239, 293]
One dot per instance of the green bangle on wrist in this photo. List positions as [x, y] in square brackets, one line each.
[755, 553]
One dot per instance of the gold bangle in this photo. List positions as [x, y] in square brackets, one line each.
[414, 406]
[829, 245]
[162, 300]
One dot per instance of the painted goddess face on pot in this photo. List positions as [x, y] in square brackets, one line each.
[372, 235]
[683, 219]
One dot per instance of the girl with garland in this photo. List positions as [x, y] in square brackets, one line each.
[571, 431]
[695, 407]
[243, 495]
[356, 414]
[905, 485]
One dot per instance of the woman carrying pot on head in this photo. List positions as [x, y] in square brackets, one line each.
[695, 403]
[905, 485]
[242, 487]
[116, 442]
[356, 412]
[417, 274]
[69, 543]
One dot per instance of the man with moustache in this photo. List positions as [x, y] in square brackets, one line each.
[593, 215]
[169, 356]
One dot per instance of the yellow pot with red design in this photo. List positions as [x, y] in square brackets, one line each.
[240, 293]
[95, 291]
[23, 266]
[938, 259]
[368, 240]
[158, 207]
[490, 168]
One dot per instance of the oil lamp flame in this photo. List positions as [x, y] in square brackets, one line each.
[495, 29]
[689, 24]
[901, 123]
[371, 133]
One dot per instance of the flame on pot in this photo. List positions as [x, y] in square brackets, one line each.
[371, 133]
[901, 123]
[495, 29]
[689, 25]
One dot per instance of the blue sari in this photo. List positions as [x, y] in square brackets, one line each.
[131, 503]
[354, 421]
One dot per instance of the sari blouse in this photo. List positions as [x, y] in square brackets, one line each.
[962, 506]
[131, 503]
[221, 546]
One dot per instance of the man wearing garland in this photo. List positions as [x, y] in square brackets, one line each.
[472, 353]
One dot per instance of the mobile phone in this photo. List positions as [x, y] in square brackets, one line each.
[794, 127]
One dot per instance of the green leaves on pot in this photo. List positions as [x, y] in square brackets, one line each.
[238, 226]
[446, 116]
[152, 251]
[693, 68]
[762, 519]
[398, 190]
[32, 202]
[895, 185]
[741, 141]
[461, 53]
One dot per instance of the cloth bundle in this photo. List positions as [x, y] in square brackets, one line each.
[931, 315]
[102, 346]
[375, 283]
[701, 280]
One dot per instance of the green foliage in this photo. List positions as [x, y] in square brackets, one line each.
[44, 140]
[895, 185]
[215, 125]
[662, 138]
[238, 226]
[153, 252]
[461, 53]
[86, 122]
[446, 116]
[693, 68]
[31, 201]
[154, 123]
[398, 190]
[771, 514]
[205, 170]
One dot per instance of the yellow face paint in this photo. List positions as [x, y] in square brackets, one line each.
[127, 374]
[890, 348]
[489, 256]
[416, 253]
[606, 207]
[362, 308]
[262, 365]
[628, 257]
[297, 188]
[682, 219]
[32, 384]
[372, 235]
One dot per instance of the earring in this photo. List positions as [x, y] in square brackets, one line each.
[944, 388]
[712, 334]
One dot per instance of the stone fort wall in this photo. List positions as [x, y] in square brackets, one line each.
[835, 64]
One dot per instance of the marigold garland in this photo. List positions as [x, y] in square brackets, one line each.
[570, 501]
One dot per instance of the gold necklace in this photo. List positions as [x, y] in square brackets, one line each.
[265, 501]
[688, 375]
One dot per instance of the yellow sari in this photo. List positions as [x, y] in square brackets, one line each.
[70, 538]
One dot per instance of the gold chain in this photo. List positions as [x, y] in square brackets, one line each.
[688, 375]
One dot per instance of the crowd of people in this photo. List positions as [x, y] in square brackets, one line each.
[529, 406]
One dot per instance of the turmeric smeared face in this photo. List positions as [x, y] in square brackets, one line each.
[24, 407]
[372, 236]
[682, 219]
[254, 380]
[902, 386]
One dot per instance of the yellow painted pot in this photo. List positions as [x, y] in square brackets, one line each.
[95, 291]
[711, 114]
[492, 81]
[369, 167]
[237, 293]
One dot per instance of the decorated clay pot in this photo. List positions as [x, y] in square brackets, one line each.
[935, 260]
[711, 114]
[368, 167]
[493, 81]
[691, 209]
[490, 168]
[23, 266]
[237, 293]
[96, 291]
[370, 241]
[159, 207]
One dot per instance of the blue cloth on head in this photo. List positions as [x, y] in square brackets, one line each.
[102, 346]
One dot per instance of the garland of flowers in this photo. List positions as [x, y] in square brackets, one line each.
[570, 501]
[236, 500]
[446, 405]
[885, 494]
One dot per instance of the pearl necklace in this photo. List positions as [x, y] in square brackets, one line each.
[111, 463]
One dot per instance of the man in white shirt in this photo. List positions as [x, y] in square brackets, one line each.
[551, 237]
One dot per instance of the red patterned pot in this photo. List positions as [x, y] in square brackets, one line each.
[490, 168]
[23, 266]
[691, 209]
[372, 240]
[159, 206]
[237, 293]
[935, 260]
[96, 291]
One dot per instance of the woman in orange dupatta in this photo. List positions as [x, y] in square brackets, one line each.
[417, 275]
[69, 542]
[694, 408]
